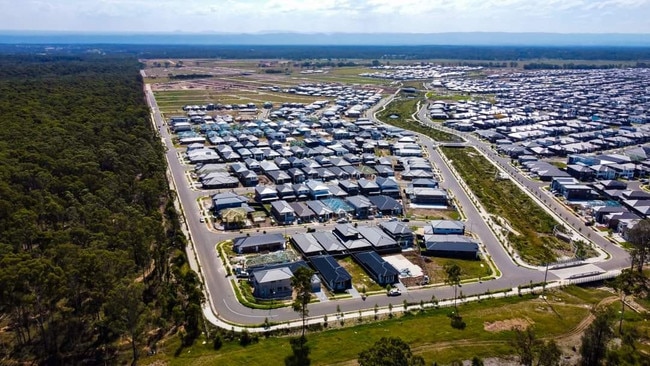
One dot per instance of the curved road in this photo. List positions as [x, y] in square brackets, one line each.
[228, 310]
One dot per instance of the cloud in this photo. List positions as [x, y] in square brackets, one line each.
[329, 15]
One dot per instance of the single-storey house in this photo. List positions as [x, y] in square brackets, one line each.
[258, 243]
[457, 246]
[429, 196]
[445, 227]
[386, 205]
[335, 277]
[379, 270]
[307, 244]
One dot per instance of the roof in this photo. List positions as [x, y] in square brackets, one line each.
[257, 240]
[331, 271]
[385, 202]
[452, 243]
[359, 201]
[319, 208]
[376, 236]
[301, 209]
[443, 225]
[374, 263]
[307, 243]
[396, 228]
[328, 241]
[282, 207]
[357, 244]
[272, 275]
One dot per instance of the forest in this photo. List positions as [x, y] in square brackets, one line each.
[308, 52]
[92, 255]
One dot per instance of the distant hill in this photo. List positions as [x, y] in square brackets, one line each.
[370, 39]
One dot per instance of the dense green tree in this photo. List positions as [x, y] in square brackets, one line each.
[593, 348]
[389, 352]
[126, 313]
[639, 238]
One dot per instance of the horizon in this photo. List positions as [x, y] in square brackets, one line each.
[326, 16]
[487, 39]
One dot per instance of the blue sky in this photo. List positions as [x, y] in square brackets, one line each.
[365, 16]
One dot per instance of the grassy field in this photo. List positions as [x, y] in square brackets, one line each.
[404, 109]
[434, 339]
[360, 278]
[535, 242]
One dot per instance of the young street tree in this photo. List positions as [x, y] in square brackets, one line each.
[301, 283]
[453, 272]
[389, 352]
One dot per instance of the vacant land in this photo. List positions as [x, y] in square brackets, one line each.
[530, 227]
[435, 339]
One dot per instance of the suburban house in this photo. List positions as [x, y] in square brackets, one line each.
[361, 205]
[273, 283]
[335, 277]
[386, 205]
[379, 270]
[265, 194]
[456, 246]
[428, 196]
[368, 187]
[303, 212]
[329, 242]
[258, 243]
[283, 212]
[317, 190]
[388, 187]
[222, 201]
[322, 212]
[379, 239]
[445, 227]
[307, 244]
[400, 232]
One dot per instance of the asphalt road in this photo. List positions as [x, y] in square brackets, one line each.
[218, 287]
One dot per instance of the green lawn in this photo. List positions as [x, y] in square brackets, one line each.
[403, 109]
[360, 278]
[470, 269]
[429, 334]
[535, 242]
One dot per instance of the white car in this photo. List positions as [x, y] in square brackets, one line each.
[394, 292]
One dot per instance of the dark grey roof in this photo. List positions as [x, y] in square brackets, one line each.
[331, 271]
[385, 203]
[258, 240]
[375, 264]
[451, 243]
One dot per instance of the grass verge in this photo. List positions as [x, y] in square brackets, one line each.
[434, 339]
[531, 231]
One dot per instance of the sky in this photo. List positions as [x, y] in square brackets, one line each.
[328, 16]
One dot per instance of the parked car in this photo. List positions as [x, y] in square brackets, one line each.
[394, 292]
[342, 221]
